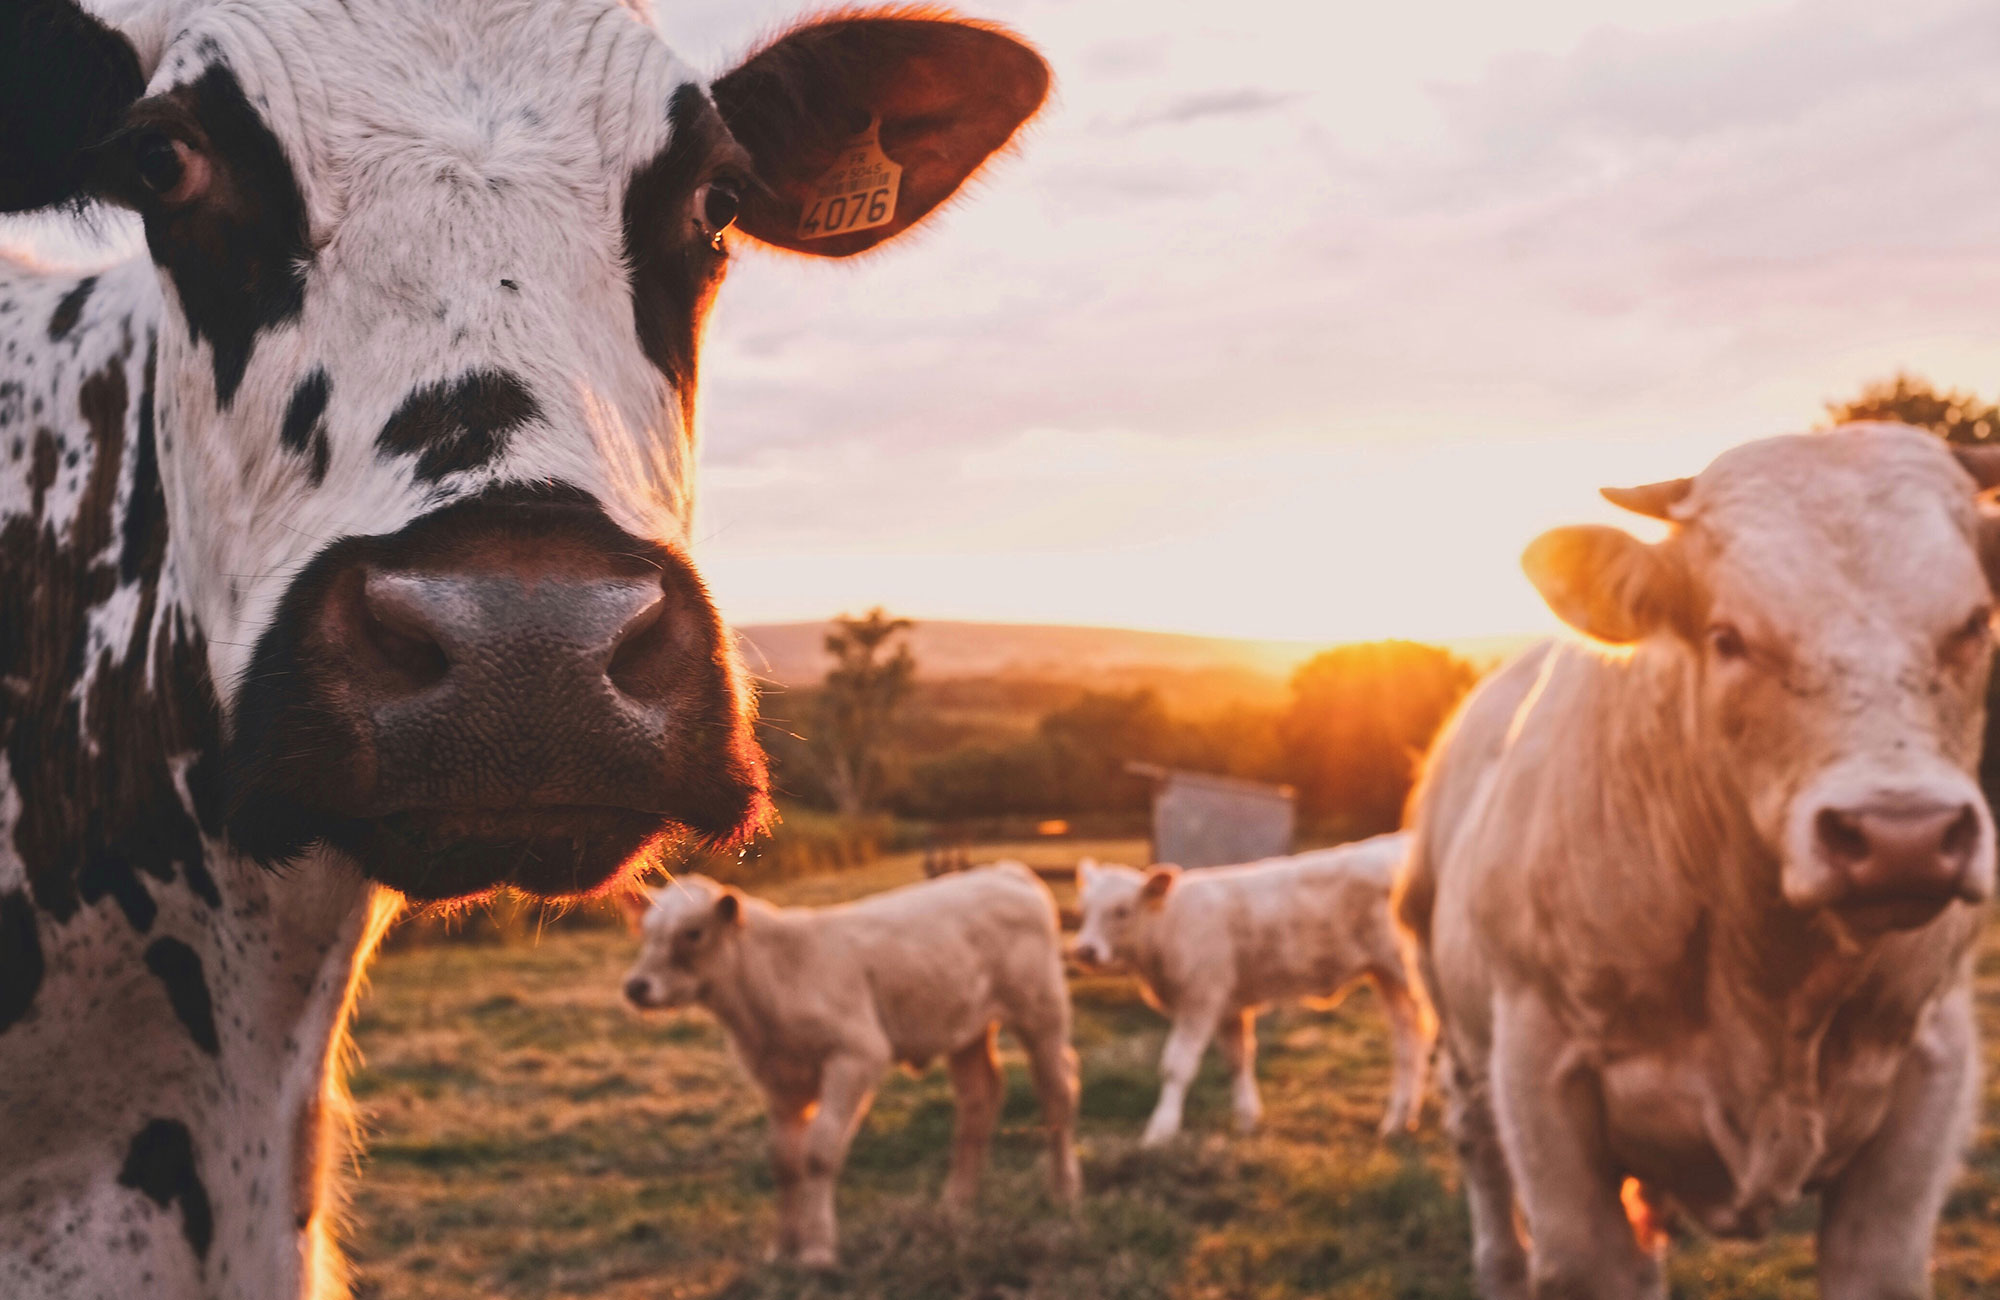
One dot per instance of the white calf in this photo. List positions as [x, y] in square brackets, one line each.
[1212, 947]
[818, 1002]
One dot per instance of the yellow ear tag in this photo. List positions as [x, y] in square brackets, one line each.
[857, 193]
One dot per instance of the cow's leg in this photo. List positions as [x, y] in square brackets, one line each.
[1499, 1260]
[1194, 1025]
[1878, 1220]
[1053, 1064]
[976, 1084]
[1411, 1052]
[1238, 1038]
[788, 1168]
[1551, 1128]
[847, 1085]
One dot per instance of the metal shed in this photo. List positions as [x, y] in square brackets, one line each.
[1203, 820]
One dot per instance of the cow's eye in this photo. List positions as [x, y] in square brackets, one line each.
[1726, 641]
[170, 170]
[718, 203]
[1974, 631]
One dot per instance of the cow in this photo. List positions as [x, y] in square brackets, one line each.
[1695, 897]
[819, 1002]
[344, 537]
[1211, 948]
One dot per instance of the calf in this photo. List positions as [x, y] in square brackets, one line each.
[1213, 947]
[818, 1002]
[1696, 901]
[344, 537]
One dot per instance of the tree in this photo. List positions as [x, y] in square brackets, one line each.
[1955, 416]
[855, 713]
[1360, 719]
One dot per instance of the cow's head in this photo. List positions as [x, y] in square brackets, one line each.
[435, 276]
[1827, 593]
[686, 930]
[1116, 902]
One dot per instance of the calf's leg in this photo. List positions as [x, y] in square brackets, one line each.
[1551, 1129]
[847, 1085]
[788, 1168]
[1186, 1041]
[977, 1088]
[1410, 1047]
[1879, 1219]
[1238, 1037]
[1054, 1067]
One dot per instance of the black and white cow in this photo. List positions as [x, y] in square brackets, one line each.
[343, 541]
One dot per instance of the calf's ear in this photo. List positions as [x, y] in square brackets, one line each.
[634, 902]
[941, 96]
[1604, 582]
[729, 907]
[66, 80]
[1159, 883]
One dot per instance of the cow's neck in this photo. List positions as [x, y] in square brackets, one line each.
[167, 1008]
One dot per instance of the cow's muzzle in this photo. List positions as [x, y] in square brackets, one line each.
[1895, 859]
[511, 691]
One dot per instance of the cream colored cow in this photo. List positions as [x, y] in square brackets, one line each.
[1696, 907]
[819, 1002]
[1213, 947]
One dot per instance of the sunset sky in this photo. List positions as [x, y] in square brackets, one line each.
[1300, 319]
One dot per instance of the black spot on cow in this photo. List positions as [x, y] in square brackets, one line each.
[160, 1164]
[101, 812]
[458, 424]
[144, 528]
[20, 958]
[238, 259]
[304, 429]
[674, 272]
[179, 968]
[70, 309]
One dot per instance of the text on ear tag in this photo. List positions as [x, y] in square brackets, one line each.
[857, 193]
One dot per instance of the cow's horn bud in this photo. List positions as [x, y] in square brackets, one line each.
[1656, 500]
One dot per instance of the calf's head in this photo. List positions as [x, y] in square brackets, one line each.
[683, 929]
[1829, 595]
[434, 278]
[1116, 902]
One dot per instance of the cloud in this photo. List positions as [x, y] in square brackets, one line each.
[1245, 101]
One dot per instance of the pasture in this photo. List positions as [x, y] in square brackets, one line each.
[529, 1136]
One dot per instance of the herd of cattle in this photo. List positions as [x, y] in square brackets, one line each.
[344, 563]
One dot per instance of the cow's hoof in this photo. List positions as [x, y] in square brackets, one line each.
[1247, 1121]
[820, 1259]
[1158, 1137]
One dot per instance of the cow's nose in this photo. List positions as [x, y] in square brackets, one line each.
[1892, 852]
[637, 991]
[521, 685]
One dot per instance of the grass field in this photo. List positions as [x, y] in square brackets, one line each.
[531, 1137]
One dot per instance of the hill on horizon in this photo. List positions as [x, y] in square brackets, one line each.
[793, 654]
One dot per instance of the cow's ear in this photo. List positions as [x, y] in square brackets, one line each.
[1159, 883]
[938, 97]
[729, 907]
[1604, 582]
[65, 82]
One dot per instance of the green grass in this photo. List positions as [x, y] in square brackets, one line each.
[530, 1137]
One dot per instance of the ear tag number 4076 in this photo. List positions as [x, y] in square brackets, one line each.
[857, 193]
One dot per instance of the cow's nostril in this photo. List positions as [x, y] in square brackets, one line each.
[1841, 837]
[1961, 837]
[635, 991]
[401, 639]
[640, 645]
